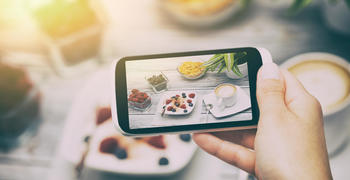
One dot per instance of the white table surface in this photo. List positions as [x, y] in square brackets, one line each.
[139, 27]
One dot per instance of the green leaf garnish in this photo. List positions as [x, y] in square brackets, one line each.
[298, 5]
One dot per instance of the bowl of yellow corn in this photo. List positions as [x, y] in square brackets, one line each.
[191, 69]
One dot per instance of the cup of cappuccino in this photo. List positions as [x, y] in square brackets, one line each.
[226, 95]
[327, 78]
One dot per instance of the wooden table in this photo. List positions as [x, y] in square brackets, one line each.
[139, 27]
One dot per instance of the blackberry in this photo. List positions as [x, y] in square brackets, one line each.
[163, 161]
[121, 153]
[87, 138]
[185, 137]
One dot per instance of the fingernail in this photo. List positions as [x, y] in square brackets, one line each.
[270, 71]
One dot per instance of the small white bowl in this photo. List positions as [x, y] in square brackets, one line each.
[191, 77]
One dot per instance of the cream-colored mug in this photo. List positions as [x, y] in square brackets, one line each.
[226, 95]
[327, 77]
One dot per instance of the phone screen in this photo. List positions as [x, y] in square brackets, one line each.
[194, 89]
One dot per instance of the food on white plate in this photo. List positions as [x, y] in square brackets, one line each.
[130, 149]
[139, 100]
[179, 104]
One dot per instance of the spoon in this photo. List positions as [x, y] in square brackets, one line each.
[208, 107]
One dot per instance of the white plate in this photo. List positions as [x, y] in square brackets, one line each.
[243, 103]
[168, 95]
[81, 120]
[142, 158]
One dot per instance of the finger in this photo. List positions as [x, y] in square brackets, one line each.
[242, 137]
[297, 98]
[234, 154]
[270, 91]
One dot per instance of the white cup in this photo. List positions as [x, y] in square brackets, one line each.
[336, 119]
[226, 95]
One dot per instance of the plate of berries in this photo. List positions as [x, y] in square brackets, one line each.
[178, 103]
[91, 141]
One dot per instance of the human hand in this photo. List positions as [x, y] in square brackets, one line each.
[289, 142]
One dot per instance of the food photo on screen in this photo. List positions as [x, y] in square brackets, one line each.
[188, 90]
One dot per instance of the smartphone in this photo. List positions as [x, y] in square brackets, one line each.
[185, 92]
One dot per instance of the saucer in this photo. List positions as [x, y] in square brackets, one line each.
[243, 103]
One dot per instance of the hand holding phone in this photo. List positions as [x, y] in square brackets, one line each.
[188, 91]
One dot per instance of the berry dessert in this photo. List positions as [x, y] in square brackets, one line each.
[119, 153]
[139, 100]
[178, 104]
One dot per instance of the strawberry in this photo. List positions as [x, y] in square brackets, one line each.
[183, 106]
[134, 99]
[192, 95]
[169, 108]
[108, 145]
[103, 114]
[189, 101]
[168, 101]
[157, 142]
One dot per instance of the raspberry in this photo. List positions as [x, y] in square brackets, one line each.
[157, 142]
[183, 106]
[103, 114]
[108, 145]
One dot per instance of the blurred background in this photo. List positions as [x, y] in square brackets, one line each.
[55, 57]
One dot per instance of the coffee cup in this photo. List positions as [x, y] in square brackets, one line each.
[327, 77]
[226, 95]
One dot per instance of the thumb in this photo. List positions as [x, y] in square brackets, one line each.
[270, 90]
